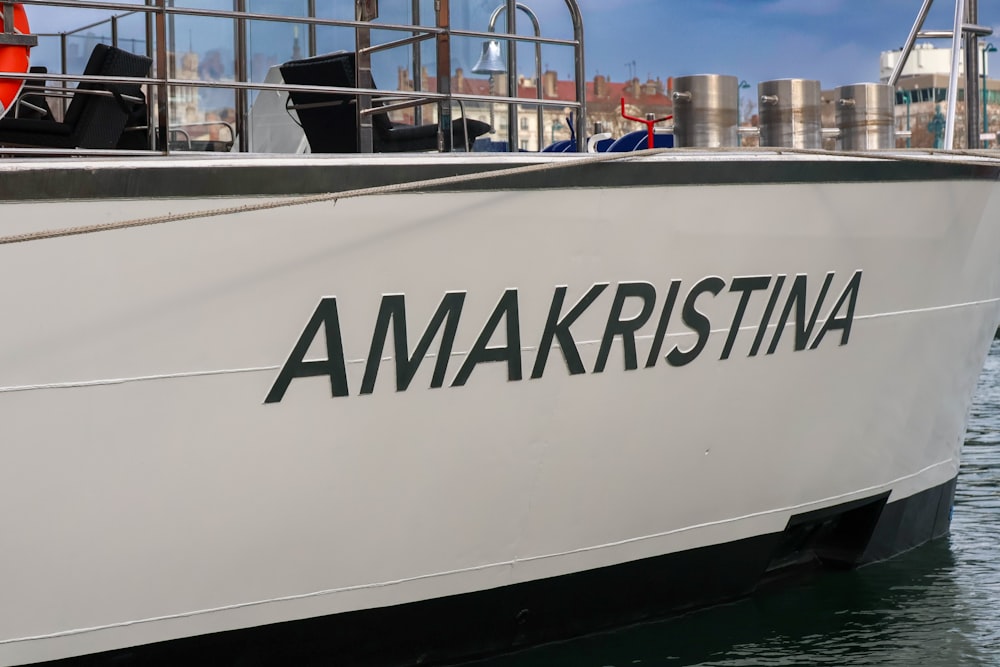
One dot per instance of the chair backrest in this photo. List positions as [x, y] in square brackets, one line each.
[98, 120]
[329, 120]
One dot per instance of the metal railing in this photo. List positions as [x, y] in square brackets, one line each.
[158, 14]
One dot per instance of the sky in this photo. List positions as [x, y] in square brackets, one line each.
[835, 41]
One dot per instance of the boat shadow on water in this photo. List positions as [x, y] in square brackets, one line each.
[888, 613]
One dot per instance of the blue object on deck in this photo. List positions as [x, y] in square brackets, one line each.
[604, 145]
[638, 140]
[564, 146]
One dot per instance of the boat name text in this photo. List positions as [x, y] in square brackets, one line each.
[781, 307]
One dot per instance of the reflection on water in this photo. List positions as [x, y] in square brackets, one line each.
[937, 605]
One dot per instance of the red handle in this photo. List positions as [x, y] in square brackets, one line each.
[648, 123]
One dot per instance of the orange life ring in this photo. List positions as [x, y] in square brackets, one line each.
[13, 58]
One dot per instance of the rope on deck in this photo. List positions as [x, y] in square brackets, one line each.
[413, 186]
[396, 188]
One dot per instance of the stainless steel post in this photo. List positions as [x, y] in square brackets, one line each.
[363, 79]
[910, 40]
[162, 73]
[240, 70]
[64, 64]
[150, 129]
[539, 89]
[444, 73]
[418, 65]
[956, 41]
[581, 76]
[972, 76]
[312, 28]
[512, 77]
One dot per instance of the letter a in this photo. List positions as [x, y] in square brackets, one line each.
[333, 366]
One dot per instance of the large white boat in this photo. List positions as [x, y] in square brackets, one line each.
[399, 409]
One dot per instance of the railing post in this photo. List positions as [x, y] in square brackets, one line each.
[418, 66]
[9, 35]
[956, 40]
[148, 18]
[162, 73]
[512, 129]
[972, 76]
[581, 76]
[312, 28]
[363, 79]
[443, 40]
[240, 70]
[63, 65]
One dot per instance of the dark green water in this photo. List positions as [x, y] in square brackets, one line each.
[938, 605]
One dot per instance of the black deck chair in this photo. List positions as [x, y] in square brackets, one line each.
[330, 119]
[91, 121]
[32, 103]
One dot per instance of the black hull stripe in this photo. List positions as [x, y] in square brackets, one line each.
[314, 176]
[494, 621]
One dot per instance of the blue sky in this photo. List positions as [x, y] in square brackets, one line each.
[835, 41]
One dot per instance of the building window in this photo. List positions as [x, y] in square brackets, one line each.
[524, 123]
[524, 144]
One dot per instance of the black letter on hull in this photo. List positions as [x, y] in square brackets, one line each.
[843, 323]
[334, 366]
[766, 317]
[511, 352]
[394, 308]
[797, 297]
[661, 327]
[626, 328]
[559, 329]
[748, 286]
[696, 320]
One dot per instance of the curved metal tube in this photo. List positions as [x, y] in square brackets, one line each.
[580, 74]
[512, 78]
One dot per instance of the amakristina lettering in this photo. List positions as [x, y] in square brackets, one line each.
[558, 330]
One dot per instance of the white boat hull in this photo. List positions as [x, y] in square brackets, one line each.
[162, 481]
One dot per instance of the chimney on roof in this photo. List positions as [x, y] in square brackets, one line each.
[459, 80]
[550, 78]
[635, 88]
[600, 86]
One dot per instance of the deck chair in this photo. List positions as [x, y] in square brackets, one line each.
[91, 121]
[329, 120]
[32, 103]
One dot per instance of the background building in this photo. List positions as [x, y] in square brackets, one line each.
[922, 94]
[603, 104]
